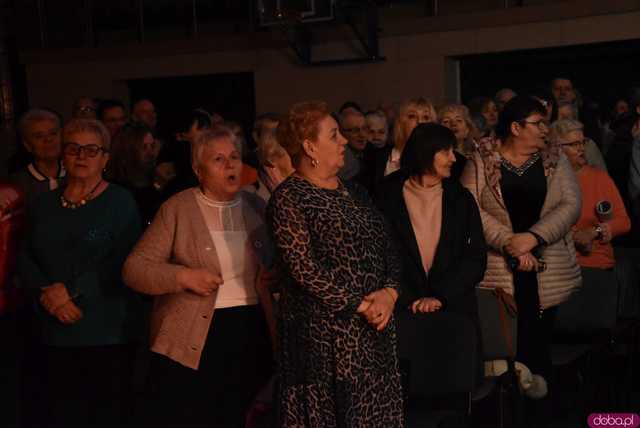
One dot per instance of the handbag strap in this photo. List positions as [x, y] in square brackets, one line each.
[506, 309]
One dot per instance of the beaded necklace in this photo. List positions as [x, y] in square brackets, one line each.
[82, 202]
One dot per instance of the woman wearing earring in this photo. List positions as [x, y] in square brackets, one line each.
[337, 340]
[78, 239]
[200, 258]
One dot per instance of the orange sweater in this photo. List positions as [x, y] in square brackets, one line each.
[596, 186]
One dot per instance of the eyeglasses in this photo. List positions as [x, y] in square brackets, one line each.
[91, 150]
[85, 109]
[575, 144]
[541, 124]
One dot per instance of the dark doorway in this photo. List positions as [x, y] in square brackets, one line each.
[232, 95]
[601, 72]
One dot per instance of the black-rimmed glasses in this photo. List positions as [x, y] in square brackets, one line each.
[541, 124]
[575, 144]
[74, 149]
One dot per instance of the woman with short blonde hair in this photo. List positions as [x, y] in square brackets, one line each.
[201, 258]
[457, 118]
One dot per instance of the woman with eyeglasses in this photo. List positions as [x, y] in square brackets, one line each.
[529, 199]
[603, 215]
[78, 239]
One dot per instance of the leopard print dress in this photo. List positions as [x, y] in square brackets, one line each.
[335, 370]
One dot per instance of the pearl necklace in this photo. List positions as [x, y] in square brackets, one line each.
[82, 202]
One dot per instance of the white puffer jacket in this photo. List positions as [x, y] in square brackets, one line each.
[560, 211]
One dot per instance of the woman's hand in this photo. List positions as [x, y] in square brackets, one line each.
[607, 236]
[380, 307]
[583, 239]
[425, 305]
[527, 263]
[68, 313]
[54, 296]
[521, 243]
[198, 281]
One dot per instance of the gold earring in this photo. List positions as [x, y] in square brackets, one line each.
[314, 162]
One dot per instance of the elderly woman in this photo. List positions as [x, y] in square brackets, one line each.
[411, 113]
[596, 226]
[456, 117]
[132, 165]
[337, 350]
[201, 257]
[529, 200]
[274, 166]
[486, 109]
[444, 254]
[40, 132]
[78, 239]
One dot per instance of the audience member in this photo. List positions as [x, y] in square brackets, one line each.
[502, 97]
[78, 239]
[201, 257]
[438, 229]
[174, 161]
[603, 215]
[350, 107]
[377, 130]
[563, 90]
[113, 115]
[529, 200]
[354, 128]
[249, 173]
[410, 114]
[40, 133]
[85, 108]
[485, 108]
[567, 110]
[456, 117]
[144, 111]
[343, 279]
[266, 123]
[132, 165]
[573, 130]
[275, 166]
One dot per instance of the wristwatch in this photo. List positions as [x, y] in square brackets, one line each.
[599, 232]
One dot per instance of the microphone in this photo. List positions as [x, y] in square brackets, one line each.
[604, 211]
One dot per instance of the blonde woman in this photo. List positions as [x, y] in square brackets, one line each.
[411, 113]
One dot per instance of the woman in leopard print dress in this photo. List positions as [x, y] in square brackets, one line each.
[337, 340]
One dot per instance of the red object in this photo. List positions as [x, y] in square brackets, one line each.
[11, 226]
[249, 175]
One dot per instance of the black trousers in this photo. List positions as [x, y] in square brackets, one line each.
[89, 386]
[535, 328]
[236, 362]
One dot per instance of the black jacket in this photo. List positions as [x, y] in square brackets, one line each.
[461, 256]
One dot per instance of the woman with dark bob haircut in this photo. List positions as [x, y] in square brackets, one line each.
[437, 221]
[529, 199]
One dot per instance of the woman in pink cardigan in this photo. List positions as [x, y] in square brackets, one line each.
[201, 259]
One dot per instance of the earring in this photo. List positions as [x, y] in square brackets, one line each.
[314, 162]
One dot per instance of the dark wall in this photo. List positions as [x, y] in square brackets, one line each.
[232, 95]
[601, 71]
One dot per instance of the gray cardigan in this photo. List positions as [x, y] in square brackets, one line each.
[178, 237]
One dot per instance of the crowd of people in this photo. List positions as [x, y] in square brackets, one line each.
[216, 265]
